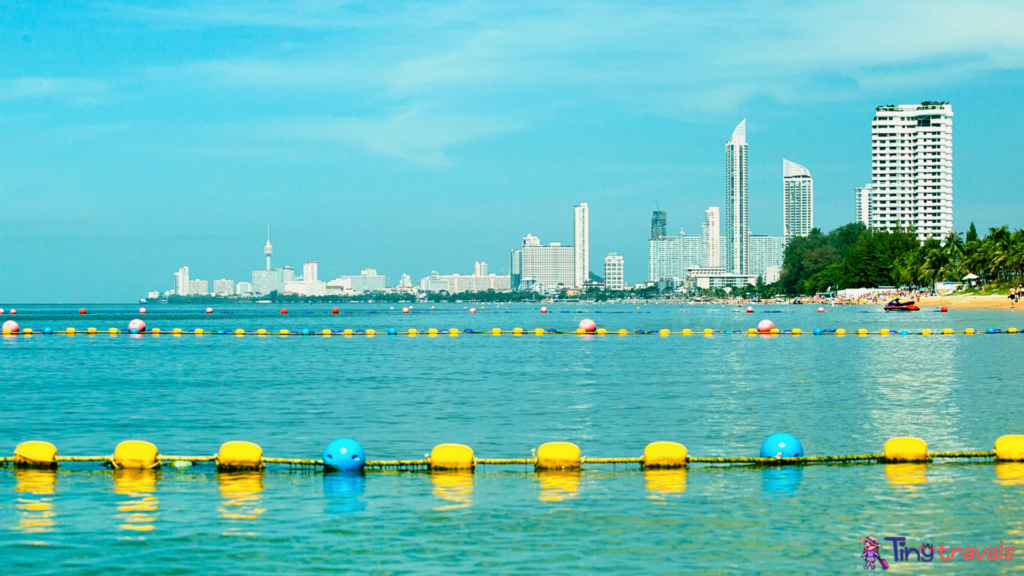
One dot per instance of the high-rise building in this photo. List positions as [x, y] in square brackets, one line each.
[614, 279]
[863, 204]
[663, 259]
[691, 252]
[198, 287]
[736, 228]
[367, 281]
[581, 238]
[710, 240]
[223, 287]
[243, 288]
[550, 266]
[797, 201]
[912, 168]
[405, 281]
[458, 283]
[765, 253]
[269, 279]
[268, 249]
[659, 225]
[480, 268]
[181, 281]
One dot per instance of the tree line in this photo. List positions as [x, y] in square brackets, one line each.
[853, 256]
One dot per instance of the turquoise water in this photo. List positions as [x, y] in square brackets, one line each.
[503, 396]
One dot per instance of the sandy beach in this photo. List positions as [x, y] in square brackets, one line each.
[973, 302]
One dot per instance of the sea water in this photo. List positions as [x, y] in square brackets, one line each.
[503, 396]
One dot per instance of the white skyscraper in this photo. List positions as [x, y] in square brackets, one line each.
[550, 266]
[736, 228]
[912, 168]
[863, 209]
[663, 258]
[710, 243]
[223, 287]
[181, 282]
[614, 278]
[581, 235]
[797, 201]
[765, 254]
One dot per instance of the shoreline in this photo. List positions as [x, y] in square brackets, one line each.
[973, 302]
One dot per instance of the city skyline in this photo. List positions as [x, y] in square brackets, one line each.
[465, 122]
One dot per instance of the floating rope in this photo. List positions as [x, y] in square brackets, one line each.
[524, 332]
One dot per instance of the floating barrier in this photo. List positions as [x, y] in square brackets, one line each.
[348, 455]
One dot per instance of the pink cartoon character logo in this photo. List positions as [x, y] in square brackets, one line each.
[870, 553]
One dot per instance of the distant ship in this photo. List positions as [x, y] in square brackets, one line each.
[142, 300]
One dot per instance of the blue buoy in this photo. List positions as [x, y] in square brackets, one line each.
[134, 331]
[47, 330]
[817, 331]
[305, 331]
[344, 454]
[990, 330]
[468, 331]
[904, 333]
[392, 331]
[781, 443]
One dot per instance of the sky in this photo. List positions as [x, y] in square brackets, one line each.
[136, 138]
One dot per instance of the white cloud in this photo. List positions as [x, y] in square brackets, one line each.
[77, 90]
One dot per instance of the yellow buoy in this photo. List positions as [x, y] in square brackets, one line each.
[686, 332]
[539, 331]
[664, 455]
[453, 332]
[239, 455]
[1010, 447]
[969, 331]
[664, 332]
[581, 331]
[947, 330]
[1011, 330]
[261, 332]
[413, 332]
[370, 332]
[155, 331]
[27, 331]
[623, 331]
[111, 330]
[239, 332]
[176, 331]
[326, 332]
[70, 331]
[90, 330]
[773, 331]
[708, 331]
[840, 332]
[752, 331]
[883, 332]
[432, 332]
[283, 332]
[558, 455]
[601, 331]
[348, 332]
[926, 332]
[517, 331]
[452, 457]
[906, 449]
[198, 331]
[496, 331]
[862, 332]
[136, 454]
[35, 454]
[796, 332]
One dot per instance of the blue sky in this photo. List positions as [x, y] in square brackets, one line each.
[410, 137]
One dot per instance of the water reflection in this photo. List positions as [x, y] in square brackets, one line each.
[139, 512]
[782, 479]
[241, 494]
[557, 485]
[906, 474]
[455, 488]
[35, 503]
[664, 482]
[343, 492]
[1010, 473]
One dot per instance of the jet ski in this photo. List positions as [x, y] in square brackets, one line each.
[897, 306]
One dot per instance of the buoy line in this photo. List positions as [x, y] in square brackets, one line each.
[346, 454]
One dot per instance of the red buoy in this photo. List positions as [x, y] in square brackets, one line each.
[750, 309]
[209, 310]
[944, 309]
[543, 309]
[472, 310]
[335, 310]
[284, 310]
[820, 309]
[765, 326]
[588, 325]
[81, 310]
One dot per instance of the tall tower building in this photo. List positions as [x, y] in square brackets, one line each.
[797, 201]
[181, 282]
[737, 230]
[710, 243]
[912, 168]
[268, 249]
[863, 209]
[659, 225]
[613, 275]
[581, 235]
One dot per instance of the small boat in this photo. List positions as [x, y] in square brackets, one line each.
[897, 306]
